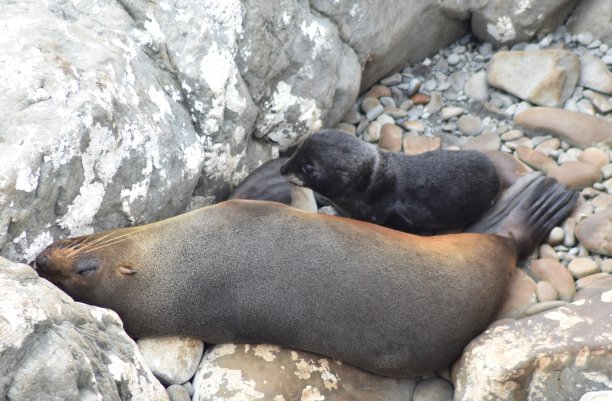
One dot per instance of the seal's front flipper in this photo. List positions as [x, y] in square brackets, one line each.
[528, 211]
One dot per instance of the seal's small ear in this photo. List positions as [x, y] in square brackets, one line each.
[127, 270]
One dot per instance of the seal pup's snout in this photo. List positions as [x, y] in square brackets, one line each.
[42, 261]
[289, 175]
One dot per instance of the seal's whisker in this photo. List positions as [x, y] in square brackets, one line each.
[114, 240]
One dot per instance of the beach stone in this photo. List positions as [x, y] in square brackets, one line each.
[433, 389]
[390, 138]
[268, 372]
[555, 237]
[488, 141]
[521, 295]
[449, 112]
[346, 128]
[535, 159]
[548, 146]
[556, 274]
[470, 125]
[476, 87]
[173, 360]
[391, 80]
[406, 105]
[558, 355]
[352, 116]
[176, 392]
[545, 291]
[597, 280]
[606, 266]
[375, 112]
[569, 225]
[368, 103]
[414, 125]
[435, 103]
[595, 74]
[597, 395]
[372, 133]
[592, 16]
[508, 167]
[413, 144]
[581, 267]
[595, 232]
[387, 101]
[395, 112]
[576, 174]
[586, 107]
[594, 156]
[543, 307]
[511, 135]
[385, 119]
[378, 91]
[601, 103]
[52, 348]
[544, 77]
[546, 251]
[420, 98]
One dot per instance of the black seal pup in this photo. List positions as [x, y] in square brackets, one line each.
[433, 191]
[393, 303]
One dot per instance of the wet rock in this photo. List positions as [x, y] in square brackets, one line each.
[54, 348]
[558, 355]
[595, 75]
[273, 373]
[576, 174]
[575, 128]
[544, 77]
[595, 232]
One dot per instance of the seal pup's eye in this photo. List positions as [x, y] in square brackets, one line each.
[308, 169]
[87, 265]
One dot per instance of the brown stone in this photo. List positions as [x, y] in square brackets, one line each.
[576, 174]
[545, 291]
[578, 129]
[521, 295]
[486, 142]
[595, 232]
[556, 274]
[368, 103]
[594, 156]
[420, 98]
[508, 167]
[415, 144]
[379, 91]
[535, 159]
[390, 138]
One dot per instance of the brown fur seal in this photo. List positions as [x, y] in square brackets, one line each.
[433, 191]
[260, 272]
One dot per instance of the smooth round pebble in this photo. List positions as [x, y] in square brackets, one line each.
[594, 156]
[372, 133]
[378, 91]
[368, 103]
[420, 98]
[556, 236]
[606, 266]
[581, 267]
[390, 138]
[453, 59]
[521, 295]
[469, 125]
[374, 112]
[387, 101]
[433, 389]
[512, 135]
[417, 125]
[543, 307]
[435, 103]
[189, 387]
[576, 175]
[545, 291]
[485, 142]
[449, 112]
[173, 360]
[385, 119]
[346, 128]
[415, 144]
[547, 252]
[556, 274]
[594, 280]
[176, 392]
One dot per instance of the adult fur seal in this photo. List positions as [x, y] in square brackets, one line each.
[261, 272]
[433, 191]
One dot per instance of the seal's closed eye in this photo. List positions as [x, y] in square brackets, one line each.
[87, 265]
[308, 169]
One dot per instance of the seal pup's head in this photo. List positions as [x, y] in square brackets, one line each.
[82, 266]
[331, 161]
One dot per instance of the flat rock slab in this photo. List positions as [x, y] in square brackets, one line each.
[268, 372]
[52, 348]
[578, 129]
[557, 355]
[543, 77]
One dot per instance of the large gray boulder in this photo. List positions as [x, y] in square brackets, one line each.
[117, 113]
[594, 17]
[557, 355]
[52, 348]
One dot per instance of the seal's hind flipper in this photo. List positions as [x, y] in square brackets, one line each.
[528, 211]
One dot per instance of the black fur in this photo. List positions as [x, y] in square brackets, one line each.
[434, 191]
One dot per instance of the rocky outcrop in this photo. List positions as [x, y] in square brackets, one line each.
[117, 113]
[593, 17]
[555, 355]
[268, 372]
[54, 348]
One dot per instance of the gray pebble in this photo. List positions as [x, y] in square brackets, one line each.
[476, 87]
[394, 79]
[606, 266]
[368, 103]
[445, 85]
[585, 106]
[373, 113]
[346, 128]
[352, 116]
[449, 112]
[435, 103]
[430, 85]
[385, 119]
[584, 38]
[176, 392]
[372, 133]
[486, 49]
[189, 388]
[387, 101]
[469, 125]
[433, 389]
[453, 59]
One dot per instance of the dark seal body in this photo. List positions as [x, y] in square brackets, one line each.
[241, 271]
[433, 191]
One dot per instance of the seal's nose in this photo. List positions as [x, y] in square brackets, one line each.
[42, 261]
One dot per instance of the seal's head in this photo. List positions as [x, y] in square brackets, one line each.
[329, 162]
[82, 265]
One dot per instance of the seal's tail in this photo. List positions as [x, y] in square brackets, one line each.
[527, 211]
